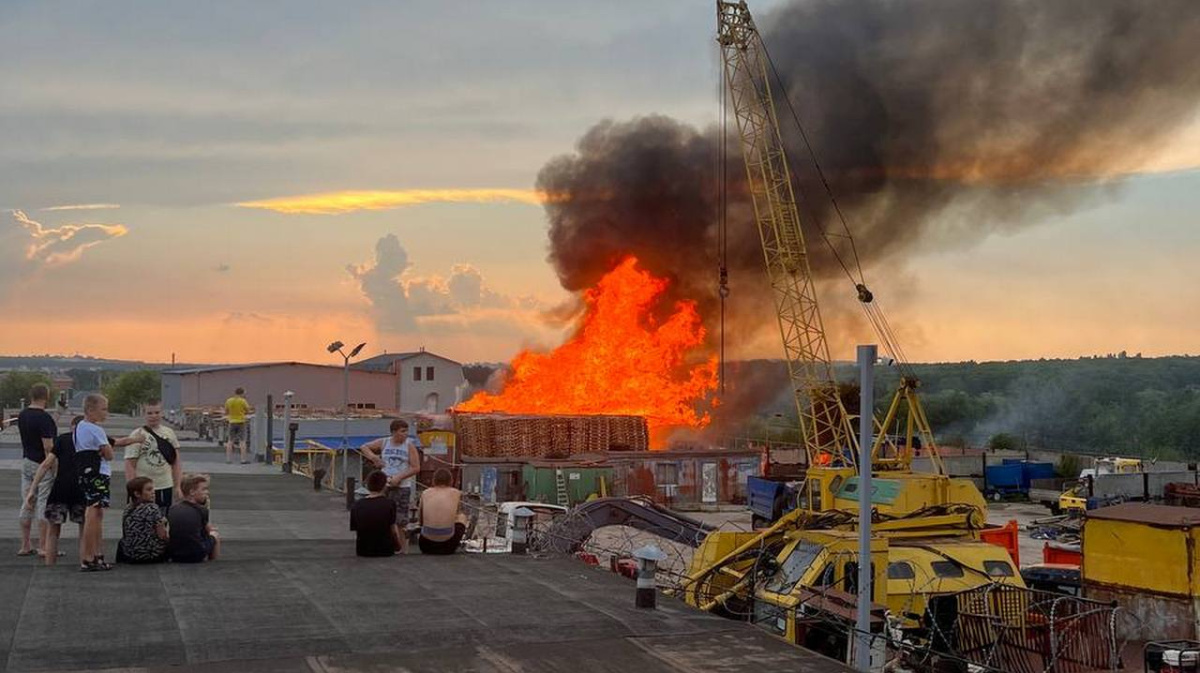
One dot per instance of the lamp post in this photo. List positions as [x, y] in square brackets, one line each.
[336, 347]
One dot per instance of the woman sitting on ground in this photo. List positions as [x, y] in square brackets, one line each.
[144, 528]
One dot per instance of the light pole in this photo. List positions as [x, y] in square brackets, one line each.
[336, 347]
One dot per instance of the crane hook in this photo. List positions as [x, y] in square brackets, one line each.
[864, 295]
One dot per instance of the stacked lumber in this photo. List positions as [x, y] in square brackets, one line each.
[542, 436]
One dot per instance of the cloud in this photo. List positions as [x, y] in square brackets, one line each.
[405, 303]
[54, 246]
[84, 206]
[337, 203]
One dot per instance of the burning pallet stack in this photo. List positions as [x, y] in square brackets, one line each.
[539, 436]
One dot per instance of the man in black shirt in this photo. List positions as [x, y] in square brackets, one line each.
[66, 497]
[374, 520]
[37, 430]
[193, 538]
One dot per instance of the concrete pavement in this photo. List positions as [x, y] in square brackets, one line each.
[290, 595]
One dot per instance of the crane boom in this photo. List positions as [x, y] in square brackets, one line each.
[824, 424]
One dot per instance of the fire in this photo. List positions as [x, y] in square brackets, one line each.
[620, 360]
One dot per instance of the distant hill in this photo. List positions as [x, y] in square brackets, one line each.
[1112, 404]
[65, 362]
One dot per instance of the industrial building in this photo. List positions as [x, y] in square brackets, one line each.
[416, 382]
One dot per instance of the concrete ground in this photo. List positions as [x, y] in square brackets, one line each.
[289, 595]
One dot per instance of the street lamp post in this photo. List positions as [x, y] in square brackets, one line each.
[336, 347]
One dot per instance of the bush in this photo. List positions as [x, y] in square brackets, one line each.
[15, 386]
[1005, 442]
[131, 389]
[1068, 466]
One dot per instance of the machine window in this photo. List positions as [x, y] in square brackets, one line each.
[901, 570]
[998, 568]
[946, 569]
[793, 567]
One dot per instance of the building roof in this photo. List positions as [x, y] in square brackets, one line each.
[251, 365]
[1154, 515]
[385, 361]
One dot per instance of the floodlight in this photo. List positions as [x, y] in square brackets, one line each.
[357, 349]
[333, 347]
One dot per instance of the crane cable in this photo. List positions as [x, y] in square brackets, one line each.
[722, 222]
[867, 300]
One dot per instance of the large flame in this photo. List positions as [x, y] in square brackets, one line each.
[620, 360]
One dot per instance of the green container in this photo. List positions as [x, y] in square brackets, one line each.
[581, 482]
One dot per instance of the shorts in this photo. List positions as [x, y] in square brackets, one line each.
[443, 547]
[29, 469]
[162, 498]
[58, 512]
[402, 496]
[237, 432]
[95, 487]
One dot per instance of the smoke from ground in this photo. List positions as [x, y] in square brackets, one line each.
[937, 122]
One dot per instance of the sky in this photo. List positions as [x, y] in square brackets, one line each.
[238, 182]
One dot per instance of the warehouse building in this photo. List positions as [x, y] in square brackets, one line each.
[417, 382]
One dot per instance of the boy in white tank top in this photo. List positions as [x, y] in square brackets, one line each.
[398, 458]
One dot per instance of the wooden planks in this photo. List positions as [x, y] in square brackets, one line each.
[540, 436]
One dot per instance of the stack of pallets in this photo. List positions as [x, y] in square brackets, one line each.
[541, 436]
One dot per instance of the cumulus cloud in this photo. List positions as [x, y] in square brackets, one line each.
[405, 303]
[54, 246]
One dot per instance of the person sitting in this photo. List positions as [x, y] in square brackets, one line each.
[144, 527]
[442, 525]
[373, 519]
[193, 539]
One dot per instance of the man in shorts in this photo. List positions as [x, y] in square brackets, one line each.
[66, 499]
[37, 429]
[398, 458]
[236, 409]
[93, 458]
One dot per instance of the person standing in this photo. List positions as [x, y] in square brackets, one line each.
[373, 520]
[154, 453]
[236, 409]
[398, 458]
[65, 500]
[192, 538]
[93, 456]
[37, 430]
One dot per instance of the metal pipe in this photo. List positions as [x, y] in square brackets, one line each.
[269, 443]
[866, 418]
[345, 425]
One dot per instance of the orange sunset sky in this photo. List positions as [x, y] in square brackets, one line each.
[250, 190]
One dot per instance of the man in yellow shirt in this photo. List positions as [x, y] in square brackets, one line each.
[236, 409]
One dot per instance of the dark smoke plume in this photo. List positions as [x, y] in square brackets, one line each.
[936, 121]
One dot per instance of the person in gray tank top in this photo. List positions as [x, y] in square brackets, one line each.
[397, 456]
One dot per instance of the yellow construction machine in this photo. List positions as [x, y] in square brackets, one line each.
[930, 552]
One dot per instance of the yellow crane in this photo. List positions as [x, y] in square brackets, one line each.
[826, 428]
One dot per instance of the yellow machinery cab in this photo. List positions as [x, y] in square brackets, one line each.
[894, 493]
